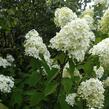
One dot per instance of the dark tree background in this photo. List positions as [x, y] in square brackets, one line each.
[17, 17]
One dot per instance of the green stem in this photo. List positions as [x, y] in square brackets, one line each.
[60, 79]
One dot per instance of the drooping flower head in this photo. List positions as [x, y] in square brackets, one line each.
[74, 39]
[63, 16]
[34, 46]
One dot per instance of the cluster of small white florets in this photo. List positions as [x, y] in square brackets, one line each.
[88, 11]
[104, 22]
[10, 58]
[70, 99]
[34, 46]
[88, 16]
[63, 16]
[89, 20]
[6, 84]
[99, 71]
[4, 63]
[93, 92]
[74, 39]
[102, 50]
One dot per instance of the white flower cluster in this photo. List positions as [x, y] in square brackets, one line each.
[34, 46]
[10, 58]
[104, 22]
[4, 63]
[63, 16]
[102, 50]
[70, 99]
[99, 71]
[74, 39]
[6, 84]
[89, 20]
[88, 16]
[93, 92]
[89, 12]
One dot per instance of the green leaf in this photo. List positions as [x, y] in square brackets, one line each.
[50, 88]
[71, 68]
[53, 73]
[35, 97]
[10, 11]
[67, 83]
[33, 78]
[61, 57]
[45, 65]
[26, 107]
[88, 66]
[17, 96]
[35, 63]
[62, 101]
